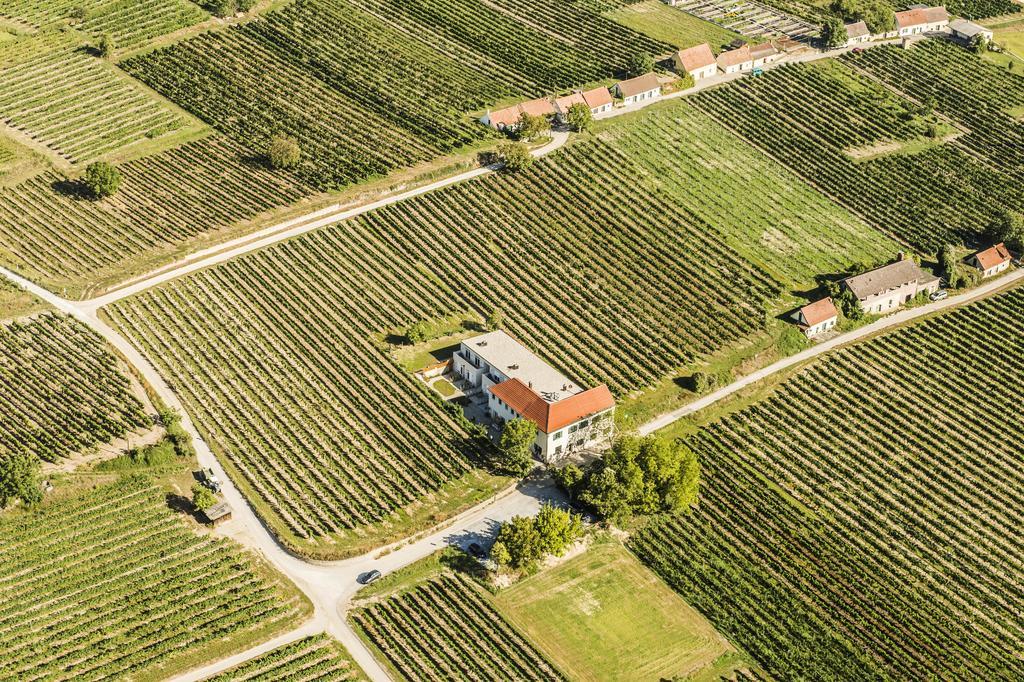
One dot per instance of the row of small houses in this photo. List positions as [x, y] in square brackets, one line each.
[598, 100]
[918, 21]
[699, 62]
[890, 286]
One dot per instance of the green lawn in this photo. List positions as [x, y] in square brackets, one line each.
[671, 25]
[604, 616]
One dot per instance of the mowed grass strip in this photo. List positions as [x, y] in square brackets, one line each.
[671, 25]
[602, 615]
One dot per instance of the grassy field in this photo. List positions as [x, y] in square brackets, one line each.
[603, 616]
[318, 658]
[671, 25]
[860, 520]
[64, 390]
[439, 625]
[110, 583]
[812, 117]
[15, 302]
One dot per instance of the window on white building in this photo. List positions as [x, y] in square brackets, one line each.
[558, 434]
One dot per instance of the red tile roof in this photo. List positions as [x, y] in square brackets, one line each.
[990, 258]
[563, 103]
[598, 97]
[506, 117]
[734, 57]
[696, 58]
[818, 312]
[549, 417]
[537, 107]
[921, 16]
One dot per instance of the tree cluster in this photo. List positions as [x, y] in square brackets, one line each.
[515, 447]
[202, 497]
[1009, 229]
[639, 63]
[514, 156]
[833, 33]
[524, 541]
[637, 476]
[877, 14]
[19, 479]
[958, 274]
[101, 179]
[579, 117]
[532, 127]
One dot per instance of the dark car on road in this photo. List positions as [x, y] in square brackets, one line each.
[370, 577]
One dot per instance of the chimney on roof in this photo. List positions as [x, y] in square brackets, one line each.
[515, 366]
[530, 385]
[481, 343]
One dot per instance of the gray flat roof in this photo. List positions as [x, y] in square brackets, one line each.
[217, 511]
[967, 28]
[499, 350]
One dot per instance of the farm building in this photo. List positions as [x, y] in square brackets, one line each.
[968, 30]
[890, 286]
[992, 261]
[518, 384]
[921, 20]
[639, 89]
[817, 318]
[509, 118]
[598, 100]
[218, 513]
[857, 33]
[762, 54]
[735, 61]
[697, 61]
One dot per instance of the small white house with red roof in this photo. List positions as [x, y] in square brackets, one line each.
[920, 20]
[639, 89]
[735, 61]
[517, 384]
[697, 61]
[510, 117]
[817, 318]
[598, 100]
[992, 261]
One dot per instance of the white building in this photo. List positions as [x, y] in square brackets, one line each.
[921, 20]
[857, 33]
[598, 100]
[817, 318]
[762, 54]
[735, 61]
[518, 384]
[890, 286]
[992, 261]
[968, 30]
[697, 61]
[639, 89]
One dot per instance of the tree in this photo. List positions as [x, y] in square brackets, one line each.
[639, 63]
[979, 44]
[1009, 229]
[521, 541]
[19, 479]
[202, 498]
[532, 127]
[515, 446]
[283, 152]
[500, 554]
[105, 48]
[557, 529]
[833, 33]
[494, 320]
[515, 156]
[951, 266]
[875, 13]
[579, 117]
[101, 179]
[704, 382]
[569, 478]
[418, 332]
[224, 8]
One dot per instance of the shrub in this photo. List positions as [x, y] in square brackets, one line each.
[639, 63]
[580, 118]
[494, 320]
[76, 13]
[223, 8]
[1009, 229]
[703, 382]
[202, 498]
[101, 179]
[418, 332]
[105, 48]
[283, 152]
[19, 479]
[523, 541]
[532, 127]
[515, 156]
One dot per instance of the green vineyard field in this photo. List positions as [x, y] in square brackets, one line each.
[398, 90]
[443, 629]
[75, 104]
[811, 116]
[863, 521]
[63, 390]
[164, 200]
[112, 585]
[312, 659]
